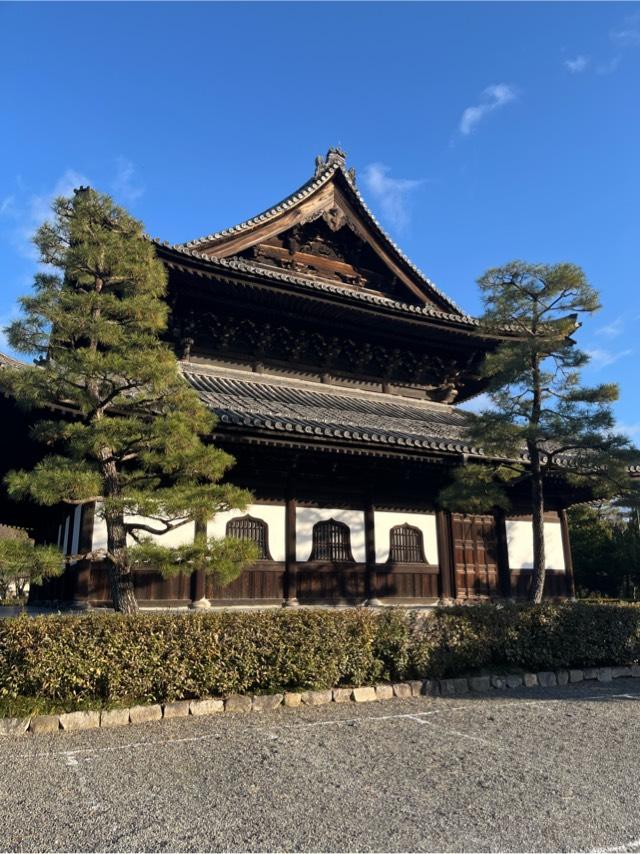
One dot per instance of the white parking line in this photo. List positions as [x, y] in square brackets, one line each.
[456, 732]
[86, 791]
[633, 845]
[361, 719]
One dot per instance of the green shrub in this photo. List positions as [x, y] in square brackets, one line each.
[107, 658]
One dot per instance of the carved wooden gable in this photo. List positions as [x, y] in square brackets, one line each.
[329, 249]
[325, 231]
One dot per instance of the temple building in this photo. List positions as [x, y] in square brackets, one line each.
[336, 370]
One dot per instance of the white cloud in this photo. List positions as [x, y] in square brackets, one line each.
[7, 205]
[124, 184]
[5, 320]
[390, 193]
[628, 33]
[601, 358]
[492, 98]
[630, 430]
[577, 65]
[24, 213]
[613, 329]
[608, 67]
[29, 215]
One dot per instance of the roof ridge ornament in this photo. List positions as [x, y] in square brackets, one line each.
[334, 158]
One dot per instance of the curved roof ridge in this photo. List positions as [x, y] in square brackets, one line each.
[302, 192]
[395, 246]
[331, 167]
[312, 386]
[9, 362]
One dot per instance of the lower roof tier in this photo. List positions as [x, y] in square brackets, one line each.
[273, 405]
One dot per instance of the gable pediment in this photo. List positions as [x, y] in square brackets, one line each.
[327, 247]
[325, 231]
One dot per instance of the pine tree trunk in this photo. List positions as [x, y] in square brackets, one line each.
[537, 508]
[120, 575]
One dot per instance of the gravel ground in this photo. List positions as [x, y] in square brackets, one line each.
[545, 770]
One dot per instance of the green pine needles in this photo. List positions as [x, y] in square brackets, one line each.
[543, 423]
[128, 432]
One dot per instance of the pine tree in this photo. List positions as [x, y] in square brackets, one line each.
[130, 433]
[22, 563]
[540, 409]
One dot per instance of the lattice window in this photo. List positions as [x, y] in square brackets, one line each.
[331, 541]
[406, 545]
[255, 530]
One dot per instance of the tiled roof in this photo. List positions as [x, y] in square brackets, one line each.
[333, 166]
[242, 266]
[349, 417]
[9, 362]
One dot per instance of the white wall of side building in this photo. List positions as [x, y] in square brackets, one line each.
[307, 517]
[384, 521]
[272, 514]
[520, 544]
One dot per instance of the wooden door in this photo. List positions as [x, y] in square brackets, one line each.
[475, 556]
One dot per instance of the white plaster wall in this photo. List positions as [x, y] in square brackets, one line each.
[99, 535]
[180, 536]
[384, 521]
[272, 514]
[306, 518]
[520, 543]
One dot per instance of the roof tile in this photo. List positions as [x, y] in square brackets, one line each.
[350, 418]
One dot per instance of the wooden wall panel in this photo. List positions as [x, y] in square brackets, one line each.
[556, 584]
[263, 582]
[406, 582]
[331, 582]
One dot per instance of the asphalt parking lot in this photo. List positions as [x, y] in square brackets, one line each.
[541, 770]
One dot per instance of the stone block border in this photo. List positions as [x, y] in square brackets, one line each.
[239, 703]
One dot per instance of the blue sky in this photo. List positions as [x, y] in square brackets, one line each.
[480, 132]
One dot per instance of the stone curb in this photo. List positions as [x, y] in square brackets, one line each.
[240, 703]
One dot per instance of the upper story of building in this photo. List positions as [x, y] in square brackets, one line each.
[314, 290]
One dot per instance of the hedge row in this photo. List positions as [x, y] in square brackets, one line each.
[109, 658]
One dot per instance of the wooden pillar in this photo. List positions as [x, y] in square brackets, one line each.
[370, 589]
[82, 592]
[291, 565]
[199, 599]
[568, 558]
[504, 572]
[445, 556]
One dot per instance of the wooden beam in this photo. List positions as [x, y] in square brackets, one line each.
[568, 558]
[504, 572]
[370, 590]
[291, 566]
[198, 578]
[82, 581]
[445, 555]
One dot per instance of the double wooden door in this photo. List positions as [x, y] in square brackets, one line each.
[475, 551]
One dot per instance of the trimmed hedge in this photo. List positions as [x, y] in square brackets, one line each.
[108, 658]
